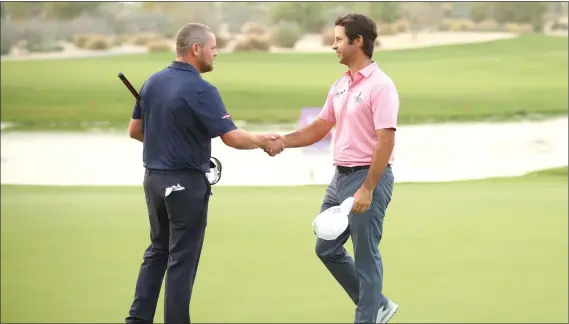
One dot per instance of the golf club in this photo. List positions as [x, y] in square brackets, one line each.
[129, 86]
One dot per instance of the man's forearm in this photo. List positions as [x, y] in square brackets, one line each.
[299, 138]
[243, 140]
[308, 135]
[135, 130]
[247, 141]
[379, 161]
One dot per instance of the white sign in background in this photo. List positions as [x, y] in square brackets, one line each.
[424, 153]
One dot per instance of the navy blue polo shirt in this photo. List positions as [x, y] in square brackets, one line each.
[181, 113]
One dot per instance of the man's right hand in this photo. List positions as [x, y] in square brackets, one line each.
[272, 144]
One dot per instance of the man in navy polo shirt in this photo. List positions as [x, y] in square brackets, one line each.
[178, 115]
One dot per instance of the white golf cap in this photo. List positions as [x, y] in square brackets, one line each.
[332, 222]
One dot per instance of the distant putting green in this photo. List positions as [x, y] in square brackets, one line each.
[480, 251]
[496, 80]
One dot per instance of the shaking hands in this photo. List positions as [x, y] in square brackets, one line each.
[272, 144]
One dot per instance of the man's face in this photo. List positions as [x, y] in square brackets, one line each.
[207, 54]
[344, 50]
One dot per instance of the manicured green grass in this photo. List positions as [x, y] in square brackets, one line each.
[496, 80]
[481, 251]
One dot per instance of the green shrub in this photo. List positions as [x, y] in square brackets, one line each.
[44, 48]
[80, 41]
[456, 25]
[285, 34]
[143, 39]
[159, 46]
[5, 48]
[119, 40]
[518, 28]
[488, 26]
[32, 33]
[222, 39]
[253, 29]
[9, 39]
[480, 11]
[560, 25]
[386, 29]
[252, 44]
[401, 25]
[98, 43]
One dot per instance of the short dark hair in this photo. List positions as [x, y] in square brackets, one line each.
[356, 25]
[190, 34]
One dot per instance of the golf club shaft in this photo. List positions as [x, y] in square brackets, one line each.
[129, 86]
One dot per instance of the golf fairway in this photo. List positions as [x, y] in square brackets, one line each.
[481, 251]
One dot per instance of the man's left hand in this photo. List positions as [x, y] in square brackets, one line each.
[362, 200]
[272, 144]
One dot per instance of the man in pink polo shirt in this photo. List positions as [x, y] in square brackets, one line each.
[363, 104]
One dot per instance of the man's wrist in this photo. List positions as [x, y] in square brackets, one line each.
[285, 141]
[260, 141]
[368, 185]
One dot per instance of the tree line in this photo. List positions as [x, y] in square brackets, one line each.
[309, 16]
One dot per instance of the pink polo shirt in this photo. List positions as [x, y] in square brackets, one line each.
[359, 108]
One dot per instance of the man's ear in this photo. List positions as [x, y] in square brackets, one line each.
[195, 49]
[360, 41]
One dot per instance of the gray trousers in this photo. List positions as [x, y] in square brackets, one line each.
[362, 276]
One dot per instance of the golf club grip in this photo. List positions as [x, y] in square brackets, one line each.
[129, 86]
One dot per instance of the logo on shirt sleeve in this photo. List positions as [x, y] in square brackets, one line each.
[226, 116]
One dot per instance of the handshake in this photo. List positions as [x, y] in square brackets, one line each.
[272, 144]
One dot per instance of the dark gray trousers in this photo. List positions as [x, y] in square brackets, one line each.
[361, 276]
[177, 229]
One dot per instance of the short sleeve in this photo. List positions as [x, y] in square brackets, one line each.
[327, 112]
[385, 107]
[137, 111]
[212, 113]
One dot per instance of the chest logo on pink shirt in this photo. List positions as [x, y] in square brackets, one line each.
[359, 97]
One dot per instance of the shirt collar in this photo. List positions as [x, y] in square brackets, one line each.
[183, 66]
[365, 72]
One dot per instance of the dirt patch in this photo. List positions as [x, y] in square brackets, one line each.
[558, 33]
[313, 42]
[71, 51]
